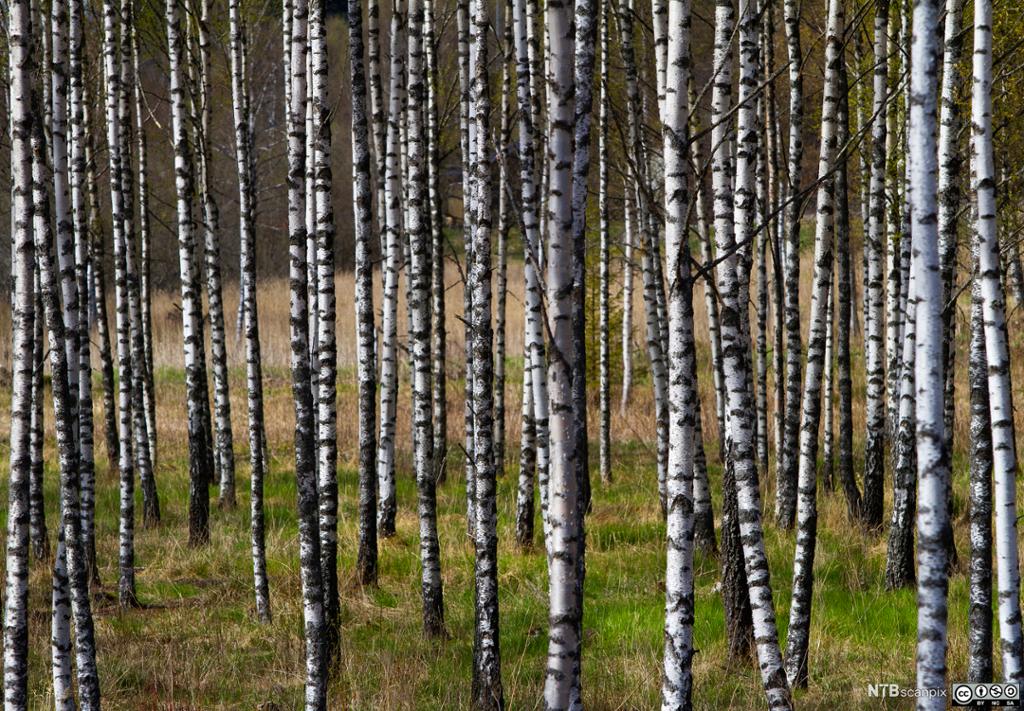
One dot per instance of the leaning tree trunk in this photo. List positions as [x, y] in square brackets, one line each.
[253, 366]
[305, 452]
[362, 200]
[874, 363]
[735, 596]
[1004, 454]
[64, 425]
[200, 459]
[420, 276]
[798, 636]
[741, 423]
[23, 316]
[932, 455]
[533, 263]
[677, 677]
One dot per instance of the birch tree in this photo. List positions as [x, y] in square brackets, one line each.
[798, 636]
[19, 41]
[564, 496]
[874, 442]
[366, 566]
[740, 422]
[932, 455]
[420, 276]
[200, 460]
[250, 314]
[112, 74]
[677, 679]
[1004, 456]
[386, 504]
[305, 451]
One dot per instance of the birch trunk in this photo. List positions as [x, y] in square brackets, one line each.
[362, 201]
[200, 459]
[603, 227]
[487, 687]
[564, 498]
[1004, 455]
[874, 365]
[64, 411]
[305, 451]
[979, 639]
[250, 313]
[420, 276]
[112, 73]
[677, 677]
[19, 33]
[788, 470]
[932, 455]
[741, 424]
[386, 503]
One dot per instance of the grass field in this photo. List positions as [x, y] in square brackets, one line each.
[195, 644]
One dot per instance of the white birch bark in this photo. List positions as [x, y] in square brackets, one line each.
[250, 314]
[677, 677]
[1004, 455]
[386, 504]
[933, 467]
[19, 33]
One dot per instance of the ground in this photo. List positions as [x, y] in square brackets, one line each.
[195, 643]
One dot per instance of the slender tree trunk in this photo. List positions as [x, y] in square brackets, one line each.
[362, 201]
[874, 365]
[467, 144]
[112, 73]
[64, 408]
[1004, 455]
[604, 276]
[151, 502]
[979, 640]
[253, 366]
[140, 427]
[503, 151]
[932, 455]
[735, 596]
[788, 470]
[305, 451]
[386, 503]
[533, 263]
[420, 276]
[828, 425]
[200, 459]
[844, 282]
[19, 42]
[487, 687]
[37, 533]
[439, 343]
[565, 498]
[627, 294]
[677, 677]
[740, 424]
[798, 636]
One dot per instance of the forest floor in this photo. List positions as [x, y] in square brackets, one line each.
[195, 643]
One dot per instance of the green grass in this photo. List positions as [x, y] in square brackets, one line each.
[195, 643]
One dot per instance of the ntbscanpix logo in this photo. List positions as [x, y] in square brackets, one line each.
[895, 691]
